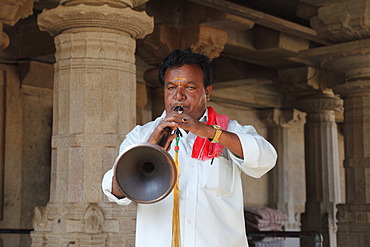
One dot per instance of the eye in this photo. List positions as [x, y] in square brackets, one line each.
[190, 87]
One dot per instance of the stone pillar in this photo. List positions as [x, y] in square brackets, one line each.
[322, 166]
[348, 23]
[94, 107]
[280, 122]
[353, 216]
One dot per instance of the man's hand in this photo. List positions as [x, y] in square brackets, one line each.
[115, 189]
[227, 139]
[163, 130]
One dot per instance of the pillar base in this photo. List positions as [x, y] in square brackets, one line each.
[84, 224]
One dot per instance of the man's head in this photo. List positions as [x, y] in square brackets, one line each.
[182, 74]
[178, 58]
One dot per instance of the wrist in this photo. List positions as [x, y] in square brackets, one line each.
[217, 133]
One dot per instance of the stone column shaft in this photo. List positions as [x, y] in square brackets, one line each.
[280, 123]
[322, 166]
[353, 216]
[94, 107]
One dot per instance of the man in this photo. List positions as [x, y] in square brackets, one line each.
[213, 151]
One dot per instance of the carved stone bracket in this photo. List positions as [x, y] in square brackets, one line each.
[307, 80]
[285, 118]
[11, 12]
[204, 39]
[201, 38]
[66, 18]
[343, 21]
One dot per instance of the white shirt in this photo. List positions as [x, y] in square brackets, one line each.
[211, 198]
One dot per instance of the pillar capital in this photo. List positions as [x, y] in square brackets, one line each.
[89, 17]
[343, 21]
[351, 65]
[354, 65]
[319, 103]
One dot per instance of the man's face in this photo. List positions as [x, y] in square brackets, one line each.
[184, 86]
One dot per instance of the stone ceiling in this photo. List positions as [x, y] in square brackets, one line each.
[251, 40]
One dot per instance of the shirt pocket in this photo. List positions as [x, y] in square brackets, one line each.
[218, 177]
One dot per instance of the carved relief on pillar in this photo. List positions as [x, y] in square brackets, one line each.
[124, 20]
[343, 21]
[90, 224]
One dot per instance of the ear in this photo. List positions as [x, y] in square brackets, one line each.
[208, 91]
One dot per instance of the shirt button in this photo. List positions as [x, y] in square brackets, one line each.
[192, 165]
[191, 192]
[189, 221]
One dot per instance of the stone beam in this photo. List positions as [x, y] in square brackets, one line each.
[228, 72]
[36, 74]
[264, 19]
[265, 47]
[264, 96]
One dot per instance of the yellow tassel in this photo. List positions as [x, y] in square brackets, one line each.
[176, 238]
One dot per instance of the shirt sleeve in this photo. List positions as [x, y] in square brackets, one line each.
[133, 137]
[259, 155]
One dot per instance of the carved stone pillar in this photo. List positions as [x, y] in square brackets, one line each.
[280, 122]
[322, 166]
[94, 107]
[353, 216]
[348, 21]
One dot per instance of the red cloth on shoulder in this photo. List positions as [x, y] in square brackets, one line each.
[203, 149]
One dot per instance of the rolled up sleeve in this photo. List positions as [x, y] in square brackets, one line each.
[259, 155]
[107, 189]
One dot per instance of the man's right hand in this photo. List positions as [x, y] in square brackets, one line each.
[115, 189]
[163, 129]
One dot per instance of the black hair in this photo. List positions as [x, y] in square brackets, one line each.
[179, 58]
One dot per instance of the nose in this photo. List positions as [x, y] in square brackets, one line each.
[180, 94]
